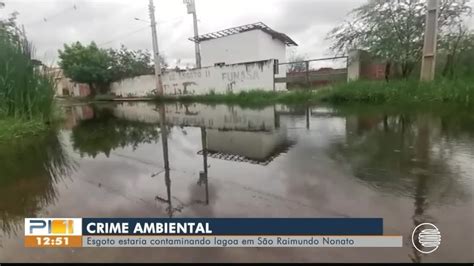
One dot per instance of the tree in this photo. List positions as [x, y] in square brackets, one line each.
[105, 133]
[87, 64]
[128, 63]
[9, 28]
[99, 67]
[163, 62]
[393, 30]
[297, 64]
[457, 45]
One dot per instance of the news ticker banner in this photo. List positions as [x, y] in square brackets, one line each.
[212, 232]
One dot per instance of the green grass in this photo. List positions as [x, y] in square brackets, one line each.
[397, 92]
[460, 92]
[11, 129]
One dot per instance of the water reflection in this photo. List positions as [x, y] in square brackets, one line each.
[391, 153]
[29, 173]
[102, 132]
[193, 160]
[238, 137]
[406, 155]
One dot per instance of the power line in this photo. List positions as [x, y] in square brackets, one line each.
[47, 19]
[124, 34]
[171, 20]
[139, 30]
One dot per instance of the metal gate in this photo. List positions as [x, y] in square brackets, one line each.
[312, 73]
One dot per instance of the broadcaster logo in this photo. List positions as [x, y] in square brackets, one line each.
[52, 226]
[426, 238]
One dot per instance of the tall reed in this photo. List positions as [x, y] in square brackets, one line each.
[26, 91]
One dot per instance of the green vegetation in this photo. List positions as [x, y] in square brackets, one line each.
[459, 92]
[99, 67]
[456, 53]
[397, 92]
[393, 32]
[26, 93]
[12, 128]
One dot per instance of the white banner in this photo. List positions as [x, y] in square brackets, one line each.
[242, 241]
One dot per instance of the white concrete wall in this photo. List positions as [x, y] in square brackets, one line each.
[136, 87]
[275, 49]
[232, 49]
[230, 78]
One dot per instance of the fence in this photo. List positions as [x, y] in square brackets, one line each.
[307, 74]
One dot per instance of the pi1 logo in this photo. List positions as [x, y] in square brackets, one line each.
[53, 226]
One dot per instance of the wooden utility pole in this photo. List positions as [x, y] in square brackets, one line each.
[156, 51]
[428, 63]
[192, 10]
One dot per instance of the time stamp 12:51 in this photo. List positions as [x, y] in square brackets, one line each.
[53, 241]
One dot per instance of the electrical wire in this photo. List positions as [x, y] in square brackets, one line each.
[139, 30]
[124, 35]
[49, 18]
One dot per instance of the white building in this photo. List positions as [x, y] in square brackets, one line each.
[247, 43]
[232, 60]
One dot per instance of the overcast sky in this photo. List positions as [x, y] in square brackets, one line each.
[110, 23]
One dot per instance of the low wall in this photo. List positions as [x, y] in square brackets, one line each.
[219, 79]
[364, 66]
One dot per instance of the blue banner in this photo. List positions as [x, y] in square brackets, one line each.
[232, 226]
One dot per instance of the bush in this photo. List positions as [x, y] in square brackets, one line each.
[104, 97]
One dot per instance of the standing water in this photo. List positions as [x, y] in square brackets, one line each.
[279, 161]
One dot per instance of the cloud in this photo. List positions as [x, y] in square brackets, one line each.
[110, 23]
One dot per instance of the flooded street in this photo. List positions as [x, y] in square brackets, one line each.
[278, 161]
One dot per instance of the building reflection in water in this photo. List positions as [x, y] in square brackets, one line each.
[227, 133]
[236, 138]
